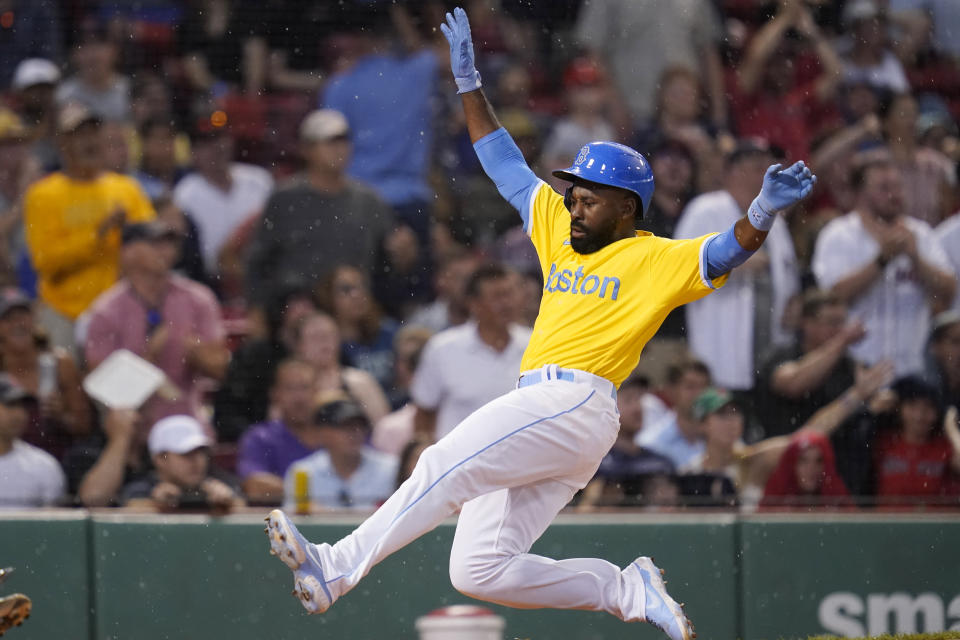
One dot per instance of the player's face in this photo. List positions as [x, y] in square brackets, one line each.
[597, 216]
[809, 470]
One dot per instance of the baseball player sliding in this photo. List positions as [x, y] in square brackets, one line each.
[511, 466]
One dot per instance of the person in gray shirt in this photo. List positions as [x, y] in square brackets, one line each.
[323, 219]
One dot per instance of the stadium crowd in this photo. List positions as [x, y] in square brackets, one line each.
[276, 203]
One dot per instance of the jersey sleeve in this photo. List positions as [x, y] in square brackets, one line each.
[681, 267]
[549, 221]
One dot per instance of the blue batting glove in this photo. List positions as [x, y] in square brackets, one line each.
[457, 32]
[781, 189]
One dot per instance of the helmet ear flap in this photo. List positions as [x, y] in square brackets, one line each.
[568, 198]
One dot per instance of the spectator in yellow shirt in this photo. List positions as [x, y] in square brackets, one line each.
[73, 220]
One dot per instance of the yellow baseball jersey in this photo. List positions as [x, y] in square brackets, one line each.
[61, 217]
[600, 309]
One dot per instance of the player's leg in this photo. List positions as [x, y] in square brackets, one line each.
[490, 561]
[514, 440]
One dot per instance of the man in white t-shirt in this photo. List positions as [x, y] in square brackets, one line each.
[220, 195]
[463, 368]
[724, 328]
[29, 476]
[887, 266]
[948, 233]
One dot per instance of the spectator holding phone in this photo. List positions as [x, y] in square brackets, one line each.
[182, 477]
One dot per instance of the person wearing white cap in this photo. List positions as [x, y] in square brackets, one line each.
[322, 218]
[34, 84]
[180, 450]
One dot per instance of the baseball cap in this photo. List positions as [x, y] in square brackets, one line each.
[11, 392]
[322, 125]
[338, 412]
[177, 434]
[710, 401]
[73, 115]
[147, 232]
[14, 300]
[34, 71]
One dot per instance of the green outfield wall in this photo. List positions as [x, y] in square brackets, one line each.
[111, 576]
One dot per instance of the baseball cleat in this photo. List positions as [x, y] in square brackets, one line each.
[662, 611]
[14, 609]
[300, 556]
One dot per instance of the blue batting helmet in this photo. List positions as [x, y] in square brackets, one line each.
[613, 165]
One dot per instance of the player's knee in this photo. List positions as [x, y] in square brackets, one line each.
[474, 577]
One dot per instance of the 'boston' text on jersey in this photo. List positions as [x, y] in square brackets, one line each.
[575, 282]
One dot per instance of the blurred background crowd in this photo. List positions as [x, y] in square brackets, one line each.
[276, 203]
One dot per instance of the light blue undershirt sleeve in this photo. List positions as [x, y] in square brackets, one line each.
[723, 253]
[504, 164]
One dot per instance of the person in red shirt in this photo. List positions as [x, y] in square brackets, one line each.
[913, 461]
[806, 475]
[787, 81]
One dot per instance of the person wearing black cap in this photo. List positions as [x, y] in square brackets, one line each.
[29, 477]
[346, 473]
[73, 220]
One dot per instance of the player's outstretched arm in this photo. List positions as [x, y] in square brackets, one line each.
[782, 188]
[498, 153]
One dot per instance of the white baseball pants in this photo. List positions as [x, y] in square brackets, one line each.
[512, 466]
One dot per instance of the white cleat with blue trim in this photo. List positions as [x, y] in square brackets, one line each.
[309, 585]
[662, 611]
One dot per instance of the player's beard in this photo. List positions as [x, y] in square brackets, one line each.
[593, 239]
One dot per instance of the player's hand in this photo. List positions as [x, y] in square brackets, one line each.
[783, 188]
[457, 32]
